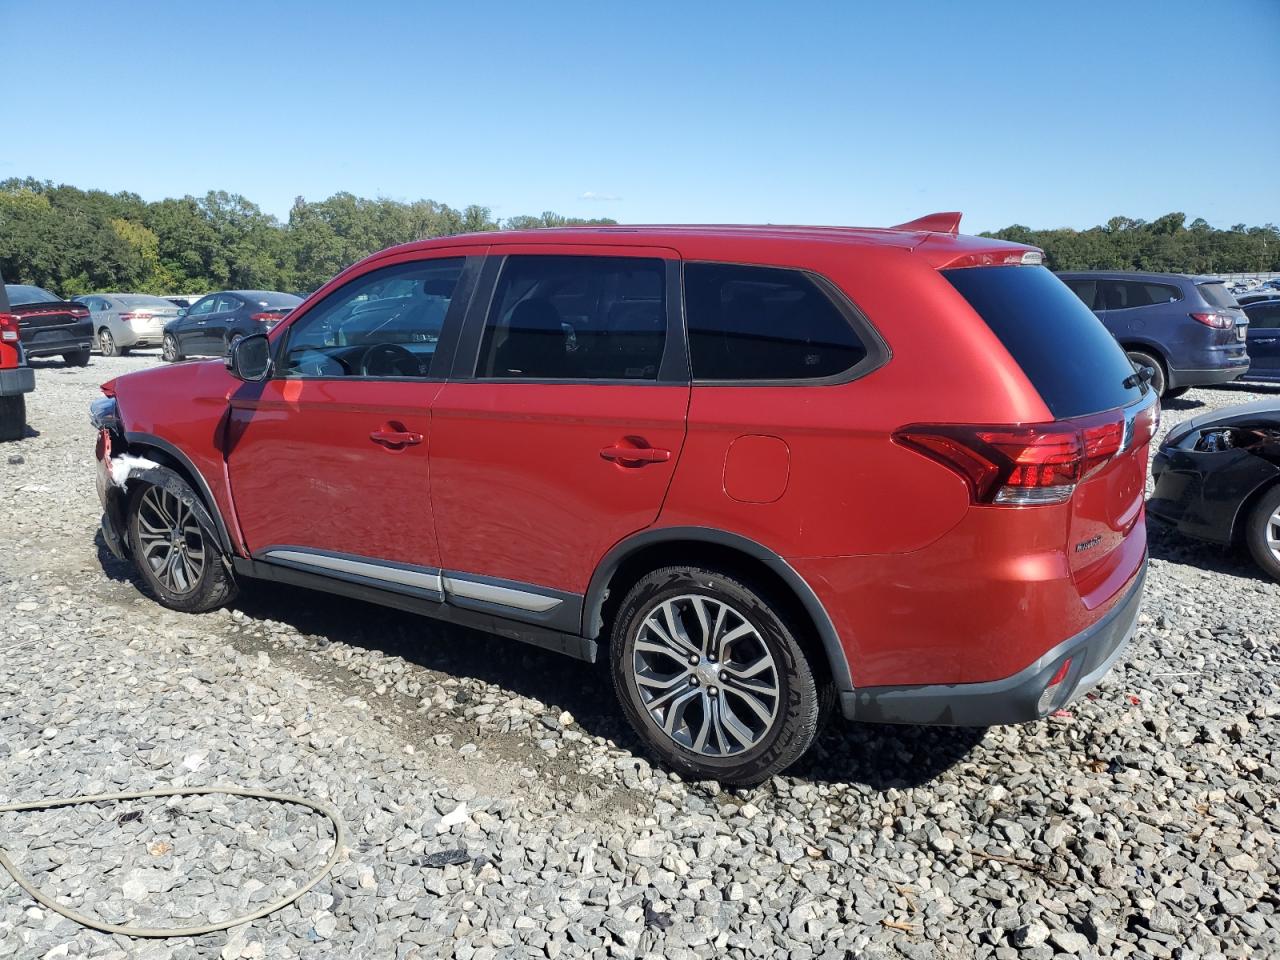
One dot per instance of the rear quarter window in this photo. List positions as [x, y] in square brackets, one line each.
[1217, 295]
[1073, 362]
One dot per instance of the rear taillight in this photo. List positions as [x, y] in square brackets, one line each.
[1146, 423]
[80, 312]
[9, 327]
[1219, 321]
[267, 317]
[1021, 465]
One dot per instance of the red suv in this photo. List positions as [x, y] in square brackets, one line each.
[767, 468]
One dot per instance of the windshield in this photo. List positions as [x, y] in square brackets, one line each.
[1215, 294]
[1065, 351]
[20, 293]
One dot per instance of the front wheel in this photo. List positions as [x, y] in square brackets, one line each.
[169, 350]
[13, 417]
[76, 358]
[1263, 532]
[181, 564]
[712, 678]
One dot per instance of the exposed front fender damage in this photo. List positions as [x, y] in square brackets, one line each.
[116, 486]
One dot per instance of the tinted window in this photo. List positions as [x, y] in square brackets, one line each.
[384, 324]
[202, 307]
[1124, 294]
[279, 301]
[1217, 295]
[576, 318]
[21, 293]
[763, 323]
[1064, 350]
[227, 304]
[1088, 292]
[1264, 316]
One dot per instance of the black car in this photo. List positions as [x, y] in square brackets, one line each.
[1218, 479]
[212, 324]
[49, 325]
[1264, 340]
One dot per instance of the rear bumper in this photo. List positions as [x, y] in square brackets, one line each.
[1197, 377]
[49, 343]
[17, 380]
[1012, 699]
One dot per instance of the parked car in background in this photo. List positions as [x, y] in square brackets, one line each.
[1264, 340]
[1244, 299]
[689, 449]
[16, 378]
[122, 321]
[1217, 478]
[213, 323]
[50, 326]
[1188, 330]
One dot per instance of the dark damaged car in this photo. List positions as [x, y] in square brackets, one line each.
[1218, 479]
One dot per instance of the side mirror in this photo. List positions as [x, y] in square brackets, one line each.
[250, 358]
[182, 312]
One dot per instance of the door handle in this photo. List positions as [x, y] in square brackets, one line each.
[634, 451]
[1265, 339]
[395, 439]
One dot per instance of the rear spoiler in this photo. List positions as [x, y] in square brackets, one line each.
[933, 223]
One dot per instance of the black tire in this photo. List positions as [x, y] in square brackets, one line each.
[1175, 393]
[796, 711]
[76, 358]
[170, 352]
[107, 344]
[13, 417]
[212, 587]
[1159, 381]
[1264, 522]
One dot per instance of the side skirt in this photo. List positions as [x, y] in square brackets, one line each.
[580, 648]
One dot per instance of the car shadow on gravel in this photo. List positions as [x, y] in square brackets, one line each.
[1165, 543]
[880, 756]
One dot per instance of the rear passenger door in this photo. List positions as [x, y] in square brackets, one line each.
[559, 430]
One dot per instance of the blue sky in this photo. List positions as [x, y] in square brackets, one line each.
[1041, 113]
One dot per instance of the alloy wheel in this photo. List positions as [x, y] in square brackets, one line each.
[171, 539]
[107, 343]
[169, 349]
[1271, 533]
[705, 675]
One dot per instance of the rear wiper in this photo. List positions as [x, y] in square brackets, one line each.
[1138, 377]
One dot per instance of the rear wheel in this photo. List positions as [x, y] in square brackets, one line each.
[180, 563]
[1262, 532]
[169, 350]
[107, 343]
[76, 358]
[1159, 381]
[712, 678]
[13, 417]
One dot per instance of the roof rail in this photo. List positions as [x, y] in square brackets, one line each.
[934, 223]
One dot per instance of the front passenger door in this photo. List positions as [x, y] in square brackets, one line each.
[215, 338]
[191, 329]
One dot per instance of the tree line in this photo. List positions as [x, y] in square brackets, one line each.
[75, 241]
[1167, 244]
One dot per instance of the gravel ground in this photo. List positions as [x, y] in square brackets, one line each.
[498, 807]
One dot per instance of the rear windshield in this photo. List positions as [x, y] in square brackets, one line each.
[141, 300]
[20, 293]
[1217, 295]
[1065, 351]
[283, 300]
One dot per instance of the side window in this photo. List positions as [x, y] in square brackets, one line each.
[227, 304]
[764, 323]
[202, 307]
[385, 323]
[1124, 294]
[576, 318]
[1087, 291]
[1161, 292]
